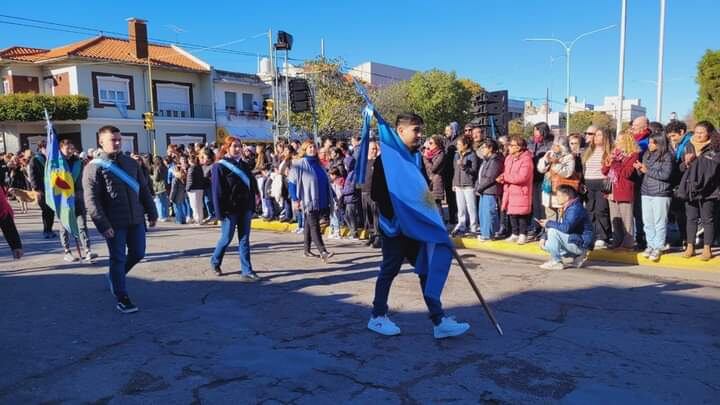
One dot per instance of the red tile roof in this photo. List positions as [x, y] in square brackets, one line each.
[107, 49]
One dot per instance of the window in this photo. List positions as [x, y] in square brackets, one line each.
[173, 100]
[113, 90]
[230, 100]
[5, 86]
[247, 102]
[49, 86]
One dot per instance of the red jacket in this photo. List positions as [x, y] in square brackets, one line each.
[518, 184]
[623, 189]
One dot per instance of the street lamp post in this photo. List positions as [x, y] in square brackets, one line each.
[568, 49]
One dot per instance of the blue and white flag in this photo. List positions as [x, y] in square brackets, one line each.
[416, 214]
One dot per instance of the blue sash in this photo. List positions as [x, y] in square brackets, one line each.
[237, 171]
[118, 172]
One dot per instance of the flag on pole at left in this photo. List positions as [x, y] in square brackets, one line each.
[59, 182]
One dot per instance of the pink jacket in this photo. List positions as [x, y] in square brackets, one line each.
[518, 184]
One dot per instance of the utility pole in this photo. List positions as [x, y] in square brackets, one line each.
[661, 54]
[547, 104]
[274, 87]
[287, 93]
[621, 69]
[151, 132]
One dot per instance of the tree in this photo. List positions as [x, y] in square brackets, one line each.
[707, 105]
[581, 120]
[392, 100]
[439, 98]
[337, 104]
[516, 127]
[472, 86]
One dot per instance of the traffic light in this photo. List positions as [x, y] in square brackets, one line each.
[268, 106]
[149, 121]
[299, 95]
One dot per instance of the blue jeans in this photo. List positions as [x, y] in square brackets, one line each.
[161, 205]
[298, 214]
[559, 246]
[395, 251]
[489, 216]
[207, 197]
[181, 212]
[126, 249]
[655, 219]
[228, 224]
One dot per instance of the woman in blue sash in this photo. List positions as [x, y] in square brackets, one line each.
[233, 193]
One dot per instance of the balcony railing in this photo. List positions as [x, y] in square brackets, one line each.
[232, 114]
[180, 111]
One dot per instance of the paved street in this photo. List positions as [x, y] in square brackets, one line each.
[604, 334]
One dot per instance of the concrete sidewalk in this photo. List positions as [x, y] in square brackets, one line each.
[533, 250]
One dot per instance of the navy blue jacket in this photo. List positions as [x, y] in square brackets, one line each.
[575, 222]
[230, 195]
[350, 194]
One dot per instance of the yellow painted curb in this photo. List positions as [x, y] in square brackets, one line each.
[672, 260]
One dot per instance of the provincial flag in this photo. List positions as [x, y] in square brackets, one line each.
[59, 183]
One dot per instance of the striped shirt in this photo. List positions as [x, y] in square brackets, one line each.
[593, 166]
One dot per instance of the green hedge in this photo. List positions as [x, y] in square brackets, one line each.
[30, 107]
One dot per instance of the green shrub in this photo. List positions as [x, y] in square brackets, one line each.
[31, 106]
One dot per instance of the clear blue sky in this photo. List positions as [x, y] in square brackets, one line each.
[482, 40]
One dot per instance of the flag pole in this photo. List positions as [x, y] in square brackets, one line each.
[475, 288]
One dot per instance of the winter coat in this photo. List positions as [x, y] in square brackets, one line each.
[465, 169]
[518, 184]
[158, 178]
[36, 172]
[306, 186]
[178, 192]
[701, 179]
[110, 202]
[490, 169]
[195, 178]
[564, 168]
[623, 189]
[230, 195]
[538, 151]
[657, 181]
[434, 169]
[350, 194]
[575, 222]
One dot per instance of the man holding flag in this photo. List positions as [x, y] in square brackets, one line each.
[410, 224]
[75, 166]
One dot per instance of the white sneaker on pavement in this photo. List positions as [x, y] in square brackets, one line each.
[384, 326]
[647, 252]
[600, 244]
[522, 239]
[552, 265]
[579, 260]
[512, 238]
[449, 327]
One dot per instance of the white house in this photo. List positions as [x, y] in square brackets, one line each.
[631, 108]
[113, 74]
[380, 75]
[238, 106]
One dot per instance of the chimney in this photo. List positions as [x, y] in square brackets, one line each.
[137, 34]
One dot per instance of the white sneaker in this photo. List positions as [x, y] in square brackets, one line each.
[384, 326]
[579, 260]
[299, 230]
[655, 255]
[68, 257]
[522, 239]
[512, 238]
[648, 251]
[552, 265]
[449, 327]
[600, 244]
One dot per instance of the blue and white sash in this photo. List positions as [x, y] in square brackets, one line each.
[237, 171]
[118, 172]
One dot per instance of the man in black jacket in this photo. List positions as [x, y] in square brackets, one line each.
[36, 171]
[117, 198]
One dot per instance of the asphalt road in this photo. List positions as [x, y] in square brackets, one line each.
[603, 334]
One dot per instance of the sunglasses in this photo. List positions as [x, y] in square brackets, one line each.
[589, 133]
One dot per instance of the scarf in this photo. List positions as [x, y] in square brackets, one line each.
[642, 135]
[617, 158]
[431, 153]
[5, 208]
[322, 181]
[699, 146]
[681, 147]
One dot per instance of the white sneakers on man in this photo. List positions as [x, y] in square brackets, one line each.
[383, 325]
[449, 327]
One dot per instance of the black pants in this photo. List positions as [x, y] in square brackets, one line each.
[48, 215]
[369, 214]
[637, 214]
[704, 210]
[677, 211]
[351, 215]
[599, 209]
[519, 224]
[312, 231]
[451, 202]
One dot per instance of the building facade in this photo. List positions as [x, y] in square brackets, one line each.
[380, 75]
[631, 108]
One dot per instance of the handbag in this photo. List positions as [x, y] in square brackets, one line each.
[607, 186]
[572, 181]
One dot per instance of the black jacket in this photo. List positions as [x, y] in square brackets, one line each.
[538, 151]
[229, 193]
[465, 169]
[701, 179]
[379, 191]
[657, 181]
[490, 169]
[110, 202]
[195, 178]
[36, 172]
